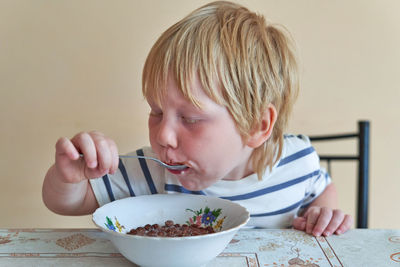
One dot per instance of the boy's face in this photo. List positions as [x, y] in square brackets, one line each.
[205, 139]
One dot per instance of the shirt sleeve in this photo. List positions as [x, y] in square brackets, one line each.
[100, 192]
[134, 177]
[111, 187]
[317, 185]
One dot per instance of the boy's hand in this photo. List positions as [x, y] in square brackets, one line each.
[323, 221]
[100, 156]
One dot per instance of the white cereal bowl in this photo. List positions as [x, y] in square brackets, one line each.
[120, 216]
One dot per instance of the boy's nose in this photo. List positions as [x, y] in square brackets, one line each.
[167, 135]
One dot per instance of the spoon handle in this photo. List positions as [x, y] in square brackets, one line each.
[172, 167]
[129, 156]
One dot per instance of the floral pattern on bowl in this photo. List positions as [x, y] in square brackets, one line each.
[206, 217]
[110, 225]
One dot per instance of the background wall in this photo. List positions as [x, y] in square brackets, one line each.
[70, 66]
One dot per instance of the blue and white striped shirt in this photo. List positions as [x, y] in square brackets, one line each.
[293, 183]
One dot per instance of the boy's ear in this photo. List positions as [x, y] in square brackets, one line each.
[264, 128]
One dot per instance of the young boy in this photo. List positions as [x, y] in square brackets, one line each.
[221, 84]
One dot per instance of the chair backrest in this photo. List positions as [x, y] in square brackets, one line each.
[363, 165]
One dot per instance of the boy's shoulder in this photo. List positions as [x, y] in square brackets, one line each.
[298, 150]
[296, 142]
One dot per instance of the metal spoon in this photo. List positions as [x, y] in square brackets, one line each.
[171, 167]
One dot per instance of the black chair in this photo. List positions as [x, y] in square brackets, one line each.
[363, 165]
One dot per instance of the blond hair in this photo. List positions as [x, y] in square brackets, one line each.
[253, 64]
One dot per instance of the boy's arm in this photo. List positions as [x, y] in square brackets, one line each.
[66, 189]
[322, 217]
[68, 198]
[328, 198]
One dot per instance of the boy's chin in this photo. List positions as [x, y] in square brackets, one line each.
[192, 185]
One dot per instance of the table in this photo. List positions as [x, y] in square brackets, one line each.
[249, 247]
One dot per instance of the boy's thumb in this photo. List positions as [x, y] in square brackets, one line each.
[299, 223]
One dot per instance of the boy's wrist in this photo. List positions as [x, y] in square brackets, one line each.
[60, 196]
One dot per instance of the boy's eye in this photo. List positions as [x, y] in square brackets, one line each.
[189, 120]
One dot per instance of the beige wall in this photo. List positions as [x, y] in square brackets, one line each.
[70, 66]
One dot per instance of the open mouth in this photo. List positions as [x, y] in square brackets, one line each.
[178, 171]
[175, 165]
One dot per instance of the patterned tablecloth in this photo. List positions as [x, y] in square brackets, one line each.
[89, 247]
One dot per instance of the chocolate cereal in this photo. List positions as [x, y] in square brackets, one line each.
[171, 229]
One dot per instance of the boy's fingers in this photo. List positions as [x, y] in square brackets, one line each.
[104, 157]
[100, 154]
[114, 155]
[66, 162]
[84, 143]
[346, 224]
[324, 218]
[299, 223]
[337, 219]
[65, 147]
[312, 218]
[106, 152]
